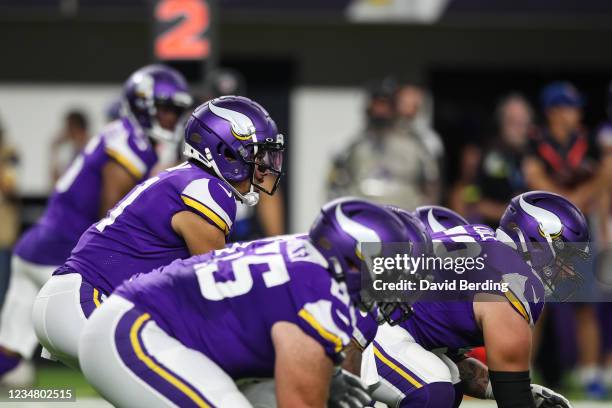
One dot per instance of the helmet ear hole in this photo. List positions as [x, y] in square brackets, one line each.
[225, 152]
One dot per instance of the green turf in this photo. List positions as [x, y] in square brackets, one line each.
[58, 376]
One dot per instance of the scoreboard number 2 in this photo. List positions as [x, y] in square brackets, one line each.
[181, 32]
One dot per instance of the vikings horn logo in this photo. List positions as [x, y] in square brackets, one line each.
[358, 232]
[242, 126]
[549, 224]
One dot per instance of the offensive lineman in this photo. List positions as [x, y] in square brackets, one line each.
[122, 155]
[232, 144]
[425, 352]
[182, 335]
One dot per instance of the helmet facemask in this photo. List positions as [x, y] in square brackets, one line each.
[179, 104]
[266, 161]
[554, 261]
[561, 277]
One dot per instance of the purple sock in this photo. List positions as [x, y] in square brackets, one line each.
[7, 363]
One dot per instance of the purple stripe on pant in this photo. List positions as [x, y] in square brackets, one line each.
[135, 363]
[88, 296]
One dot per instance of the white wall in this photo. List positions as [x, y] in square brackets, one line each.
[32, 115]
[323, 120]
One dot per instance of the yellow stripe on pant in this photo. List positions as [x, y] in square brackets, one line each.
[184, 388]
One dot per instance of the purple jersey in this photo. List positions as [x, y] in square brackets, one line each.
[137, 235]
[75, 203]
[451, 324]
[226, 305]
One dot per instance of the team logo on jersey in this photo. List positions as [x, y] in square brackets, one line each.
[549, 224]
[229, 193]
[241, 125]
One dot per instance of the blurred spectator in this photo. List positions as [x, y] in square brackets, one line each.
[387, 162]
[9, 225]
[70, 141]
[415, 111]
[500, 177]
[463, 193]
[562, 158]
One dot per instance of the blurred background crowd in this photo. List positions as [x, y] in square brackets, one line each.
[463, 103]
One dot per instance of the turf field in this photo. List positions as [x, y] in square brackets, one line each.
[54, 376]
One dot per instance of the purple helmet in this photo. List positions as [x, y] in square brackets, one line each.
[150, 88]
[418, 236]
[235, 136]
[551, 233]
[437, 218]
[341, 228]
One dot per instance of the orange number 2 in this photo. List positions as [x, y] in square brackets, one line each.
[185, 38]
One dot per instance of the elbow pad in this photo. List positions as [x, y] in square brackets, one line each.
[512, 389]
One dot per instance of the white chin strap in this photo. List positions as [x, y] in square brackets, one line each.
[250, 199]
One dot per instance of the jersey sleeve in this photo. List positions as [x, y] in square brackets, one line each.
[366, 327]
[212, 201]
[526, 296]
[125, 150]
[325, 314]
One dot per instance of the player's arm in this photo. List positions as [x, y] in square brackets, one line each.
[206, 219]
[302, 369]
[199, 235]
[116, 183]
[474, 377]
[507, 337]
[475, 382]
[352, 359]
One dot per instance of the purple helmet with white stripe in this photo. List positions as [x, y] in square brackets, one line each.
[343, 226]
[437, 218]
[237, 139]
[551, 233]
[418, 236]
[151, 88]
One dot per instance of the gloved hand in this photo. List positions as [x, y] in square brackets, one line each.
[547, 398]
[347, 391]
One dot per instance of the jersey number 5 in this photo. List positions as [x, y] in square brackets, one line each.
[275, 274]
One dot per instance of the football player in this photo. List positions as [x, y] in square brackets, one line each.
[154, 99]
[436, 218]
[233, 145]
[420, 362]
[181, 335]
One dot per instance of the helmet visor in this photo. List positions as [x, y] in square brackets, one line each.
[267, 165]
